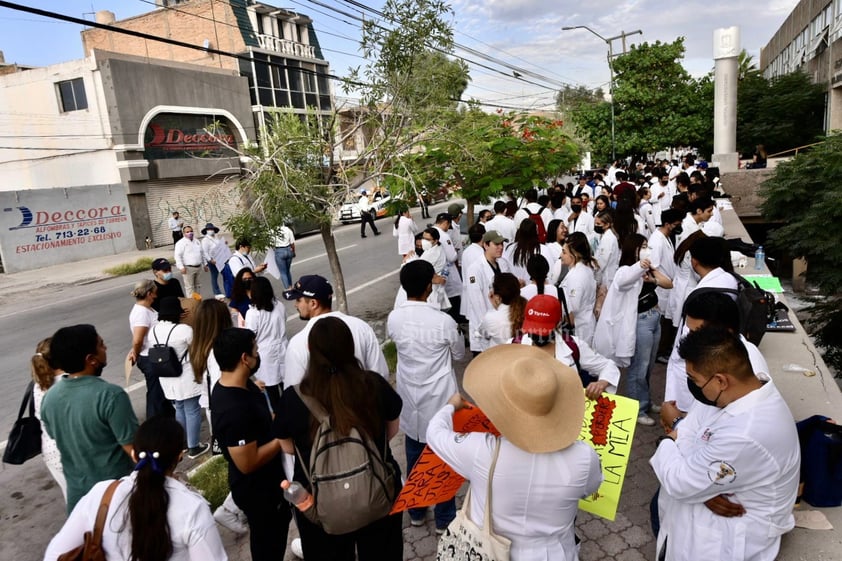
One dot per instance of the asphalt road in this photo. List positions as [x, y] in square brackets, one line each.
[31, 507]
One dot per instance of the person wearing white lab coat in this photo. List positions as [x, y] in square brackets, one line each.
[614, 336]
[662, 255]
[503, 322]
[453, 280]
[579, 219]
[541, 470]
[737, 443]
[267, 319]
[685, 279]
[427, 342]
[470, 255]
[699, 211]
[579, 286]
[405, 230]
[526, 245]
[480, 279]
[607, 253]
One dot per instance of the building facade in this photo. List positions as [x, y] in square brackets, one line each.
[809, 41]
[278, 51]
[100, 151]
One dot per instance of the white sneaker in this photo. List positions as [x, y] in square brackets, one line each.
[296, 549]
[654, 408]
[230, 520]
[645, 420]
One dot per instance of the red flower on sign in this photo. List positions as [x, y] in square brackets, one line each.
[601, 420]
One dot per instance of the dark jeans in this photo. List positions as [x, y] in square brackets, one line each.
[444, 512]
[268, 516]
[176, 236]
[156, 401]
[381, 540]
[367, 217]
[283, 259]
[274, 395]
[214, 274]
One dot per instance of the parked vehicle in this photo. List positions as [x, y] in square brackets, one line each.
[350, 210]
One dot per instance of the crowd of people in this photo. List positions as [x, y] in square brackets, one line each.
[561, 297]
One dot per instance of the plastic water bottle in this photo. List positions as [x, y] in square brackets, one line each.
[296, 494]
[759, 258]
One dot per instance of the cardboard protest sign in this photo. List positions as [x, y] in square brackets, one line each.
[608, 427]
[432, 481]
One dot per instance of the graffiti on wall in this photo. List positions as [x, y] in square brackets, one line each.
[196, 206]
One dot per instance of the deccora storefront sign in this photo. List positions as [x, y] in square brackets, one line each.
[175, 135]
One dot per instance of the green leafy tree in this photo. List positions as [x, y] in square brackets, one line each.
[802, 196]
[783, 113]
[303, 168]
[486, 155]
[656, 104]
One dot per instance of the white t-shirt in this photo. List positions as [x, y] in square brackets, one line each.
[141, 316]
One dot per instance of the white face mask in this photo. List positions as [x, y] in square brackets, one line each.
[426, 244]
[645, 253]
[211, 233]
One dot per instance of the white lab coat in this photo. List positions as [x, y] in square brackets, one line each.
[480, 279]
[503, 225]
[599, 367]
[579, 288]
[583, 223]
[405, 232]
[427, 343]
[661, 256]
[496, 327]
[366, 349]
[470, 255]
[617, 325]
[534, 496]
[453, 285]
[520, 270]
[748, 450]
[683, 283]
[521, 215]
[270, 328]
[608, 256]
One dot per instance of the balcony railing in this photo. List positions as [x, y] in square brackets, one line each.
[285, 46]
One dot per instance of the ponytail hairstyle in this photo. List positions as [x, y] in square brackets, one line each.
[157, 446]
[580, 248]
[507, 287]
[538, 269]
[338, 382]
[527, 243]
[42, 372]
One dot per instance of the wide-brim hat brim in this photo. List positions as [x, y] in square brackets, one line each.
[534, 400]
[206, 228]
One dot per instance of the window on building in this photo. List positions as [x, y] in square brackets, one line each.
[72, 95]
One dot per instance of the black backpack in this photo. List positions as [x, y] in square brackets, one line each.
[163, 361]
[756, 306]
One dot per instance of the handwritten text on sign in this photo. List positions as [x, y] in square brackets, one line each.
[608, 426]
[432, 481]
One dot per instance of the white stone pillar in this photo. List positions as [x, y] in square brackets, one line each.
[726, 49]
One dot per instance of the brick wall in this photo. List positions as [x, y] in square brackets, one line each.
[190, 22]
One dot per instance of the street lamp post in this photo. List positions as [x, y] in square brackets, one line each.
[610, 42]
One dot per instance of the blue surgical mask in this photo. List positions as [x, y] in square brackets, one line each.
[167, 276]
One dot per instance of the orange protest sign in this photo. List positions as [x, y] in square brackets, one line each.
[432, 481]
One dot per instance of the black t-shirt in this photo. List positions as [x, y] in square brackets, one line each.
[293, 420]
[172, 288]
[240, 416]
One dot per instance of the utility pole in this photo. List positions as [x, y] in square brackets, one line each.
[610, 42]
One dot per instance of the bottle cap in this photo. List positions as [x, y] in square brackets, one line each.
[285, 484]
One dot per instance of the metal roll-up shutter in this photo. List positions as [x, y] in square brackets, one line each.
[197, 199]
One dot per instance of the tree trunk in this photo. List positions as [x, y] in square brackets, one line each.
[338, 282]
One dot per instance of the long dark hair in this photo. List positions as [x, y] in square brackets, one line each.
[527, 242]
[578, 246]
[684, 246]
[238, 290]
[262, 294]
[507, 287]
[538, 269]
[336, 380]
[209, 318]
[149, 501]
[628, 253]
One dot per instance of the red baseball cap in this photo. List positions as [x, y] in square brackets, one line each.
[542, 315]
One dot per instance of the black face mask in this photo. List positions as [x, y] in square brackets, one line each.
[599, 229]
[697, 392]
[253, 370]
[418, 251]
[677, 230]
[576, 208]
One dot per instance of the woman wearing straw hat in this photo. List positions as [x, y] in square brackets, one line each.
[541, 470]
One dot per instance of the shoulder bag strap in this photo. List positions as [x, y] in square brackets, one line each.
[27, 399]
[103, 511]
[486, 523]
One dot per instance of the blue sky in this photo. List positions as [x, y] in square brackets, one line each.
[524, 33]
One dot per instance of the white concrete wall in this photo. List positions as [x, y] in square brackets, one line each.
[42, 147]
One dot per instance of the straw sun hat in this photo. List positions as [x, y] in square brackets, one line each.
[534, 400]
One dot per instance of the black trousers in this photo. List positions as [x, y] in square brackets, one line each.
[176, 236]
[382, 540]
[367, 217]
[156, 402]
[268, 516]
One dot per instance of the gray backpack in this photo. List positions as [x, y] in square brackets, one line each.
[352, 483]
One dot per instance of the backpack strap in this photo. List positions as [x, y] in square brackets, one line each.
[103, 511]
